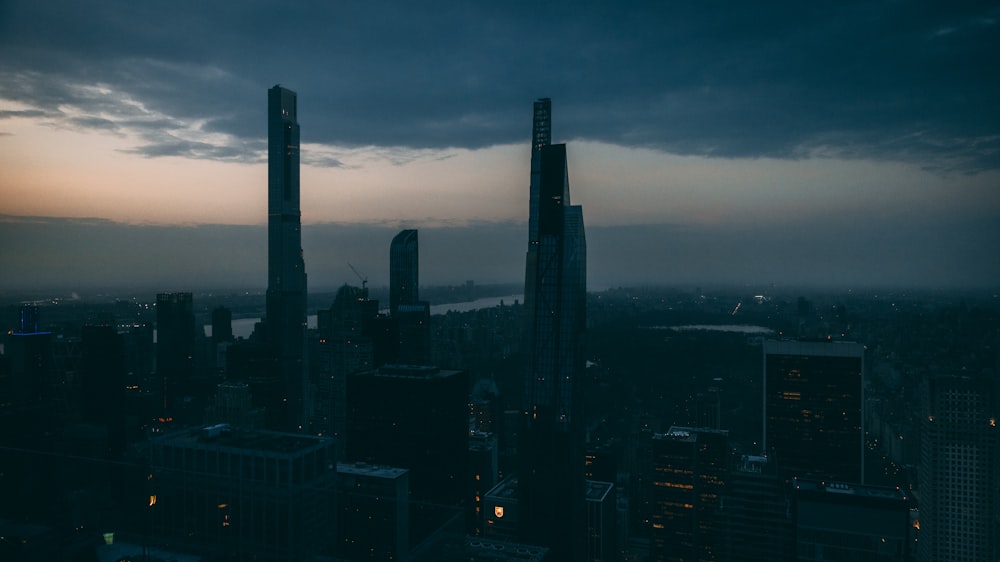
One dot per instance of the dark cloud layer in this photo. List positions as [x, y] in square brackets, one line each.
[78, 254]
[901, 81]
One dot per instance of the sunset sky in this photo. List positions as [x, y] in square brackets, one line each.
[760, 143]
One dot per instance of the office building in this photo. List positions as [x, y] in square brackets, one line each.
[102, 370]
[234, 406]
[404, 270]
[373, 518]
[31, 359]
[483, 470]
[689, 467]
[285, 321]
[416, 418]
[343, 348]
[837, 521]
[602, 507]
[501, 513]
[756, 512]
[813, 409]
[242, 494]
[551, 482]
[959, 468]
[413, 322]
[222, 325]
[175, 336]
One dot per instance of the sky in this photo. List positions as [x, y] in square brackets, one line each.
[847, 144]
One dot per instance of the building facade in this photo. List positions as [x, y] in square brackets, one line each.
[175, 337]
[687, 481]
[813, 409]
[959, 469]
[837, 521]
[242, 494]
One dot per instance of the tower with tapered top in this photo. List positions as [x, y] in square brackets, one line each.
[551, 481]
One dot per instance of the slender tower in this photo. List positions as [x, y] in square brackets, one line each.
[286, 276]
[550, 479]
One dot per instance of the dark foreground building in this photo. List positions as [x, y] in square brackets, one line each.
[242, 494]
[835, 521]
[415, 418]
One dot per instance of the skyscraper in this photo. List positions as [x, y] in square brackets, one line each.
[551, 483]
[403, 270]
[175, 331]
[687, 479]
[813, 398]
[286, 276]
[958, 473]
[410, 316]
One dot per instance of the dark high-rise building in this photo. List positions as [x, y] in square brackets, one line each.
[286, 275]
[175, 333]
[102, 369]
[689, 467]
[551, 483]
[373, 521]
[235, 494]
[813, 409]
[756, 512]
[959, 469]
[601, 511]
[413, 322]
[416, 418]
[836, 521]
[222, 325]
[403, 270]
[343, 348]
[31, 358]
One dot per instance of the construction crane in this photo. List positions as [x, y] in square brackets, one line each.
[363, 278]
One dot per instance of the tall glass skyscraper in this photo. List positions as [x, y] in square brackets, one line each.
[286, 276]
[551, 482]
[403, 270]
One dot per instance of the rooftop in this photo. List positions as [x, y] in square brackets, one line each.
[373, 470]
[226, 436]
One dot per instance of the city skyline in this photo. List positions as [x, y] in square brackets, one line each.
[787, 145]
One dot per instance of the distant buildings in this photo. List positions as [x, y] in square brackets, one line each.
[813, 409]
[31, 357]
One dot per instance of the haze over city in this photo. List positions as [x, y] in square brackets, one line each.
[777, 143]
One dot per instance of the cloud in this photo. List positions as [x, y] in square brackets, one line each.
[9, 114]
[775, 79]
